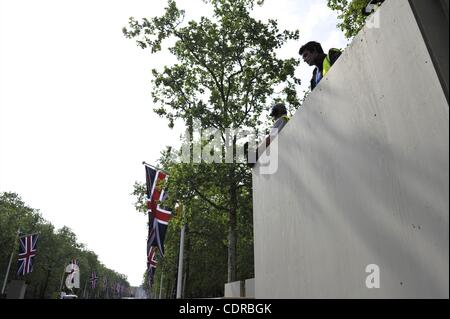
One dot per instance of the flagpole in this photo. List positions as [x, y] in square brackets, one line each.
[180, 263]
[62, 279]
[157, 168]
[180, 260]
[10, 261]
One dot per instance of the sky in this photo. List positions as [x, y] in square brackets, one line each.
[76, 117]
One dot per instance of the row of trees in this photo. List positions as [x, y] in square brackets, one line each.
[227, 74]
[56, 249]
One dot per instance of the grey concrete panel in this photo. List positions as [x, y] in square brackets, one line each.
[233, 289]
[250, 288]
[16, 289]
[363, 177]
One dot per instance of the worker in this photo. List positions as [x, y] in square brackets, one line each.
[312, 53]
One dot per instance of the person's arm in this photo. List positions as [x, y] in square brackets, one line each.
[276, 129]
[282, 124]
[313, 80]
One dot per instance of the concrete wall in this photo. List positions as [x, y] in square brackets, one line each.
[233, 289]
[363, 177]
[250, 288]
[16, 289]
[240, 289]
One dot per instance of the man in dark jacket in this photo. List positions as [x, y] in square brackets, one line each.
[312, 53]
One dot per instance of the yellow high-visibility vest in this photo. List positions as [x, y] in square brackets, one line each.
[327, 64]
[285, 117]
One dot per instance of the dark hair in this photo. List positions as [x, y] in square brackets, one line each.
[278, 110]
[311, 47]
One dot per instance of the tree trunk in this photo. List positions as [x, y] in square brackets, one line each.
[168, 290]
[45, 284]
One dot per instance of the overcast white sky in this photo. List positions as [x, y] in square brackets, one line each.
[76, 117]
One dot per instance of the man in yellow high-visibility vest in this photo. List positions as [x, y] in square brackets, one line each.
[312, 53]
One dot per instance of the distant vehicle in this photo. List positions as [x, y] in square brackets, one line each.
[65, 296]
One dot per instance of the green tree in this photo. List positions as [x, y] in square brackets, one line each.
[226, 73]
[351, 14]
[55, 250]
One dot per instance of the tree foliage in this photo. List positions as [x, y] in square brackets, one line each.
[351, 14]
[227, 65]
[226, 75]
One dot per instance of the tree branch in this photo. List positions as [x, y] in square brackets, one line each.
[218, 207]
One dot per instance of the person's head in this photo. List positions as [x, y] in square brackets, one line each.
[310, 52]
[278, 110]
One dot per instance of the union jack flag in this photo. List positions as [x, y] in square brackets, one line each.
[93, 280]
[27, 252]
[158, 215]
[151, 256]
[151, 263]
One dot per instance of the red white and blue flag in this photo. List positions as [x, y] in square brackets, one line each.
[151, 257]
[93, 280]
[118, 288]
[159, 216]
[151, 263]
[27, 252]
